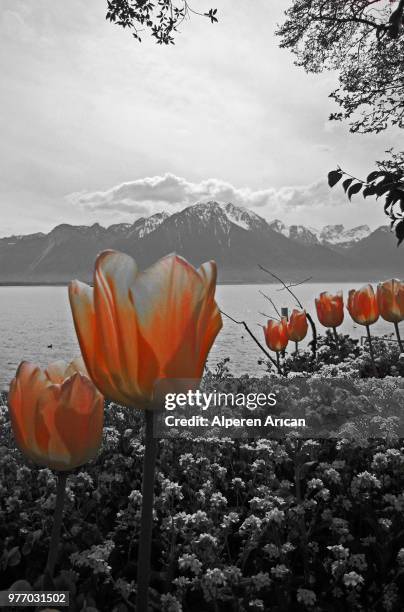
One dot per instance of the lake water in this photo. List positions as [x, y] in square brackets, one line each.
[33, 318]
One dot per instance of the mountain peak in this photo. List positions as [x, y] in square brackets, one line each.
[228, 213]
[235, 237]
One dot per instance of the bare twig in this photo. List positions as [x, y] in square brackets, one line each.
[270, 300]
[306, 280]
[257, 342]
[267, 316]
[309, 318]
[285, 286]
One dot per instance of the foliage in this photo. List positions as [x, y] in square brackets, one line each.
[347, 358]
[363, 41]
[387, 181]
[161, 18]
[239, 525]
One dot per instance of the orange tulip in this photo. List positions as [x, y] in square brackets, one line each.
[56, 415]
[297, 325]
[362, 305]
[390, 298]
[135, 328]
[276, 335]
[330, 309]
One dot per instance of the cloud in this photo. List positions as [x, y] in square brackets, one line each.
[170, 191]
[315, 195]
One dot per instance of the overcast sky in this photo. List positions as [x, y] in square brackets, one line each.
[97, 127]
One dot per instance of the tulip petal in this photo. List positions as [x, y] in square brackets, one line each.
[56, 371]
[210, 320]
[131, 364]
[79, 419]
[77, 365]
[23, 399]
[168, 298]
[82, 305]
[54, 453]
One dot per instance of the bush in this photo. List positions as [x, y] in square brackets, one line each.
[347, 358]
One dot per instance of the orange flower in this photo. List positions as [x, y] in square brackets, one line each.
[330, 309]
[297, 325]
[276, 335]
[56, 415]
[135, 328]
[390, 298]
[362, 305]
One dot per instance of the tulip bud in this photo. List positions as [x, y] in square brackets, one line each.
[56, 415]
[297, 325]
[330, 309]
[276, 335]
[390, 299]
[362, 305]
[135, 328]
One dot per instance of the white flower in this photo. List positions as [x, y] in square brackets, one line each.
[306, 597]
[352, 579]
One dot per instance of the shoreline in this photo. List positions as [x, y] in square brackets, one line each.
[232, 282]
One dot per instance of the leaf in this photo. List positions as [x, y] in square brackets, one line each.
[370, 190]
[400, 232]
[334, 177]
[373, 175]
[347, 183]
[383, 188]
[355, 188]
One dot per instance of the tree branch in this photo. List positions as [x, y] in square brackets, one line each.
[257, 342]
[309, 317]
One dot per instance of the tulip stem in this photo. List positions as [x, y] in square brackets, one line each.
[314, 333]
[297, 348]
[336, 337]
[57, 524]
[400, 342]
[372, 355]
[146, 521]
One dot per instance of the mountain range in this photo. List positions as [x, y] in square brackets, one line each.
[235, 237]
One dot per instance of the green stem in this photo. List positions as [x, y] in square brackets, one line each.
[372, 355]
[146, 521]
[400, 342]
[57, 524]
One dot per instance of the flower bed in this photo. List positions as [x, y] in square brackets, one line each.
[238, 524]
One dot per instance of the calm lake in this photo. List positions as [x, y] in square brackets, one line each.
[36, 324]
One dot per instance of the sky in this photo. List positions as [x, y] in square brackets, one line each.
[96, 127]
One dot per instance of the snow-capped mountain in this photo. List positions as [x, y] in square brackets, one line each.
[337, 234]
[332, 235]
[243, 217]
[145, 225]
[305, 235]
[235, 237]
